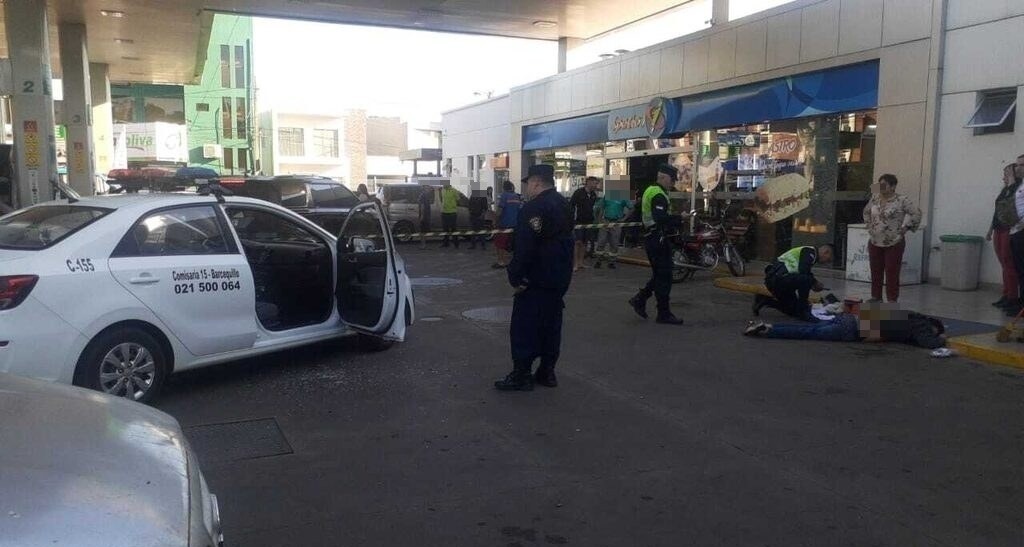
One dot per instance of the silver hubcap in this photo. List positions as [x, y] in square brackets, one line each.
[127, 371]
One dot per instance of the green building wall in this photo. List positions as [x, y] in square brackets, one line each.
[212, 104]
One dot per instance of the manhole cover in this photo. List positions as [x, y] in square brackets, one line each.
[235, 441]
[434, 281]
[497, 314]
[429, 319]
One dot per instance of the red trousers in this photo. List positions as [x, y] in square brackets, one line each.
[886, 261]
[1001, 242]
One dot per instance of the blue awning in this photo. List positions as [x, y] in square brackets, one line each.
[844, 89]
[583, 130]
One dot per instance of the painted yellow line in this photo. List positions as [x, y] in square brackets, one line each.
[748, 284]
[985, 348]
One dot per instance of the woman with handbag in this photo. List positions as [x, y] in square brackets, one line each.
[1004, 218]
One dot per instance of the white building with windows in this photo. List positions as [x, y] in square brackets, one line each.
[352, 147]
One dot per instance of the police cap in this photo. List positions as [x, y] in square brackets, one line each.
[544, 171]
[669, 170]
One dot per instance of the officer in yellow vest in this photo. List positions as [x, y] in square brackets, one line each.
[790, 280]
[659, 224]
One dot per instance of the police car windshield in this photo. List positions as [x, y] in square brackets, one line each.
[41, 227]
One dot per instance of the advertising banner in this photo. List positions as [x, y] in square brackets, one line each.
[782, 197]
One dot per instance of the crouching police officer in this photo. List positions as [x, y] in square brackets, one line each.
[790, 280]
[659, 224]
[540, 271]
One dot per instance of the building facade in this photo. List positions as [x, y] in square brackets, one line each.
[219, 110]
[784, 118]
[352, 147]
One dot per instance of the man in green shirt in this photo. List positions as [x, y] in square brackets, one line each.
[449, 207]
[609, 209]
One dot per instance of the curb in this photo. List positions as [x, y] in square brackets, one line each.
[985, 348]
[748, 284]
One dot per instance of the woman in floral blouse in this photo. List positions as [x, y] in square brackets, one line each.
[888, 217]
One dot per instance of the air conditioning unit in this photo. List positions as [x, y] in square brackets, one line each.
[212, 151]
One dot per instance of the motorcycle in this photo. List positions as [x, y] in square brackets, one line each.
[703, 250]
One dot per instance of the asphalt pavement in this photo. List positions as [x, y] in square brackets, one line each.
[657, 435]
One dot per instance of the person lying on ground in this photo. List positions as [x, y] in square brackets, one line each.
[871, 323]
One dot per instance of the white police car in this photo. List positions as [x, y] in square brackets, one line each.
[114, 293]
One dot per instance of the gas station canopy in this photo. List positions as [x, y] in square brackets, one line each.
[161, 41]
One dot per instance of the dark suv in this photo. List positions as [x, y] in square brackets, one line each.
[320, 199]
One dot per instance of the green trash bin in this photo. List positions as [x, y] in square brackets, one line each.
[961, 261]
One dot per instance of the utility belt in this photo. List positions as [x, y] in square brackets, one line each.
[774, 269]
[661, 234]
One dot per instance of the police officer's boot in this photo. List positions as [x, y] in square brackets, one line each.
[519, 379]
[545, 375]
[639, 303]
[667, 318]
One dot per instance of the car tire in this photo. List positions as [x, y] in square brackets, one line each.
[403, 231]
[119, 354]
[374, 343]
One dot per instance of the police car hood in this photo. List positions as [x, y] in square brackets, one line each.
[86, 469]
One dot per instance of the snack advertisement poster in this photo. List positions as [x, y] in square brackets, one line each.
[782, 197]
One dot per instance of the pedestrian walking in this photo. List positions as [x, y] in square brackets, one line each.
[582, 205]
[1017, 239]
[508, 207]
[1004, 218]
[425, 201]
[540, 272]
[889, 216]
[478, 208]
[659, 225]
[449, 210]
[790, 279]
[609, 210]
[632, 235]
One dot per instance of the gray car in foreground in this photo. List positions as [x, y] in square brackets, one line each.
[83, 468]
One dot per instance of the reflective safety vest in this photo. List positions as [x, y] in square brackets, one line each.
[649, 194]
[791, 258]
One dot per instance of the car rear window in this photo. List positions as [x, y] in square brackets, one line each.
[41, 227]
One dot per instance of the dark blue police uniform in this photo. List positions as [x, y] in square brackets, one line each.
[542, 263]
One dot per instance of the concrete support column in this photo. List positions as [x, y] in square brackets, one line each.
[32, 102]
[565, 44]
[719, 12]
[102, 118]
[74, 58]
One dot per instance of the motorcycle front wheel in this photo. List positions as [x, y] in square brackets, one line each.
[737, 266]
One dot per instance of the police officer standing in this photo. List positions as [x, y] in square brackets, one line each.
[659, 225]
[540, 271]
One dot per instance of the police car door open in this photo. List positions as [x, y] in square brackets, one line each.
[367, 289]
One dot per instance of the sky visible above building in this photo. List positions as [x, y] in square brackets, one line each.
[326, 68]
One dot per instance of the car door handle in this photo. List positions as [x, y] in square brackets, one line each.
[144, 279]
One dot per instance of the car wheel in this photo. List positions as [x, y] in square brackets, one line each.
[403, 231]
[374, 343]
[124, 362]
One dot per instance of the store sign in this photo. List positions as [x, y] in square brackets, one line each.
[785, 146]
[648, 120]
[782, 197]
[154, 142]
[660, 116]
[627, 123]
